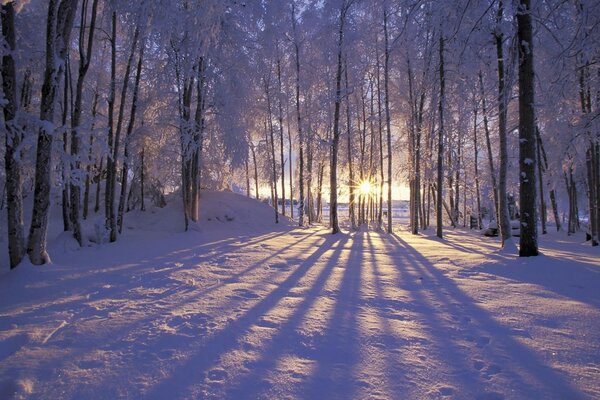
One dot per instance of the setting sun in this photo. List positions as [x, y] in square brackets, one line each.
[365, 188]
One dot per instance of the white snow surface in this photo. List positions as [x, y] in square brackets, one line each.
[241, 308]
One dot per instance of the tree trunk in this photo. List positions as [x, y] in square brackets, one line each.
[299, 118]
[351, 183]
[388, 120]
[527, 157]
[280, 109]
[333, 211]
[540, 170]
[476, 166]
[130, 126]
[255, 171]
[489, 148]
[111, 217]
[64, 157]
[86, 194]
[143, 177]
[13, 186]
[58, 31]
[273, 159]
[504, 221]
[98, 181]
[85, 55]
[440, 151]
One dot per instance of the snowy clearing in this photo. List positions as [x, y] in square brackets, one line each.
[239, 308]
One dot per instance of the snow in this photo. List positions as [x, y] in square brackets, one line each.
[242, 308]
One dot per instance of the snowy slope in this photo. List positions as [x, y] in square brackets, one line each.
[241, 308]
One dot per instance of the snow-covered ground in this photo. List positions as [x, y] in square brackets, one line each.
[240, 308]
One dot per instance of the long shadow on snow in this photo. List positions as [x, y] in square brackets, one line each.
[529, 375]
[193, 370]
[329, 349]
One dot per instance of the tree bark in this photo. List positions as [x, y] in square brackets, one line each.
[333, 215]
[440, 150]
[489, 148]
[280, 110]
[504, 221]
[130, 126]
[351, 184]
[85, 55]
[13, 187]
[299, 119]
[388, 119]
[61, 14]
[527, 142]
[111, 217]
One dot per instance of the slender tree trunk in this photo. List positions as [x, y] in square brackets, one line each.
[291, 169]
[247, 177]
[476, 166]
[504, 221]
[98, 181]
[440, 152]
[351, 183]
[386, 79]
[64, 161]
[60, 21]
[333, 211]
[527, 142]
[380, 132]
[86, 193]
[489, 149]
[273, 160]
[143, 177]
[85, 55]
[255, 171]
[280, 109]
[13, 186]
[111, 195]
[299, 118]
[130, 126]
[540, 171]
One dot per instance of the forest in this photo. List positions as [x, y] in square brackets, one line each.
[469, 129]
[466, 105]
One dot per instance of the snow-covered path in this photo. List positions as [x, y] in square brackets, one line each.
[303, 314]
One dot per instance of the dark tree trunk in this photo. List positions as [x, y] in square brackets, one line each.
[503, 214]
[351, 183]
[527, 141]
[333, 211]
[440, 151]
[280, 110]
[58, 31]
[85, 55]
[489, 149]
[13, 186]
[388, 120]
[299, 118]
[128, 133]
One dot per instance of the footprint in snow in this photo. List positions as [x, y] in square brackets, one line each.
[244, 294]
[483, 341]
[265, 323]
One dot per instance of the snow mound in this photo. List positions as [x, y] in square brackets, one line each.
[219, 211]
[238, 211]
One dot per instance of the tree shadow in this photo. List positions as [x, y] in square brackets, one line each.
[458, 325]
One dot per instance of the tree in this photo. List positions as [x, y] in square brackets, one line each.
[527, 139]
[61, 14]
[335, 227]
[85, 55]
[14, 193]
